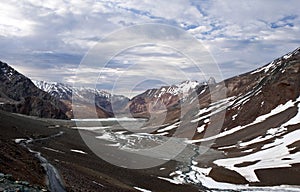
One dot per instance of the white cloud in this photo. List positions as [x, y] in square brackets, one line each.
[241, 35]
[12, 21]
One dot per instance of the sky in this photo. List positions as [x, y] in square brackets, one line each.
[51, 40]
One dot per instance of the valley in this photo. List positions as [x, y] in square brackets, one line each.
[247, 141]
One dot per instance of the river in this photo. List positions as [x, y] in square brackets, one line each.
[54, 181]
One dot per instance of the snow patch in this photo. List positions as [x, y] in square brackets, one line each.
[90, 128]
[78, 151]
[168, 128]
[271, 157]
[98, 184]
[234, 116]
[201, 128]
[140, 189]
[259, 119]
[199, 175]
[174, 181]
[122, 119]
[212, 109]
[17, 141]
[54, 150]
[163, 134]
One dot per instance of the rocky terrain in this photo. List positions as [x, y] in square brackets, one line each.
[18, 94]
[151, 101]
[246, 139]
[161, 99]
[259, 134]
[9, 184]
[86, 96]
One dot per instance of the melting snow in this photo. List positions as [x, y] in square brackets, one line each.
[130, 142]
[110, 119]
[268, 158]
[259, 119]
[78, 151]
[206, 121]
[296, 119]
[54, 150]
[271, 133]
[227, 147]
[213, 108]
[234, 116]
[90, 128]
[114, 145]
[272, 154]
[201, 128]
[19, 140]
[107, 136]
[98, 184]
[248, 151]
[140, 189]
[287, 56]
[177, 182]
[163, 134]
[266, 68]
[199, 175]
[173, 126]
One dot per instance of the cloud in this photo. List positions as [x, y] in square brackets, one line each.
[10, 24]
[55, 35]
[166, 58]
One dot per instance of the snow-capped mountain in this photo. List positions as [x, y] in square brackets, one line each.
[19, 94]
[102, 99]
[181, 90]
[65, 91]
[258, 143]
[247, 141]
[155, 100]
[243, 142]
[59, 90]
[106, 101]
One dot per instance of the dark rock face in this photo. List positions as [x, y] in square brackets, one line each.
[36, 106]
[20, 95]
[267, 87]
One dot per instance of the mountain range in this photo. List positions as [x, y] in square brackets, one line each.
[252, 132]
[18, 94]
[22, 95]
[152, 100]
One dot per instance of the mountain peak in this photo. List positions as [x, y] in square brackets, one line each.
[211, 81]
[22, 96]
